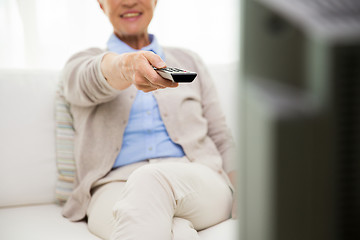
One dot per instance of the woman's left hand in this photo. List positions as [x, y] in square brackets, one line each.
[234, 211]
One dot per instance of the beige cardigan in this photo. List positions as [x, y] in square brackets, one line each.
[191, 114]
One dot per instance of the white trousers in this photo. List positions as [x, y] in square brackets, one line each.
[161, 201]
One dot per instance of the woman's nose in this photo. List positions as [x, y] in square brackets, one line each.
[129, 3]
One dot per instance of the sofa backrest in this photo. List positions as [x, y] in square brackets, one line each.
[27, 131]
[27, 159]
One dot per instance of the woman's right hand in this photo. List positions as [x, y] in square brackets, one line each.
[134, 68]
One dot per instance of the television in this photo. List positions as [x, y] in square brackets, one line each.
[300, 113]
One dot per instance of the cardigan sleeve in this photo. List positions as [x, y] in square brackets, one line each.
[83, 82]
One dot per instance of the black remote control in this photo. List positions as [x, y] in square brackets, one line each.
[176, 74]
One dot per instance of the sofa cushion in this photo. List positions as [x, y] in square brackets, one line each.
[41, 222]
[45, 222]
[27, 144]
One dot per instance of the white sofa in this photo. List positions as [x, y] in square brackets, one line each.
[27, 158]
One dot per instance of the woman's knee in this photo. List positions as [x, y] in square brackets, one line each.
[148, 185]
[183, 229]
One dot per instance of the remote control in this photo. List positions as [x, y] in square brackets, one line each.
[176, 74]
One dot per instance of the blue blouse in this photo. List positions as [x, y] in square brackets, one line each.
[145, 136]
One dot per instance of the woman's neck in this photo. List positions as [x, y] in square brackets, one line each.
[136, 42]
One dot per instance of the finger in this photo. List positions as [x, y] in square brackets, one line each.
[154, 59]
[154, 78]
[142, 82]
[157, 80]
[146, 87]
[150, 74]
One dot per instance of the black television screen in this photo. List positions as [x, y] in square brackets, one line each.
[300, 168]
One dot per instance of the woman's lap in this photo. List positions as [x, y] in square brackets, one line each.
[188, 191]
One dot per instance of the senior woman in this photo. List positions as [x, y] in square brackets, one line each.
[154, 158]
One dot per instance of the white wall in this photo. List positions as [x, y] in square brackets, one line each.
[44, 33]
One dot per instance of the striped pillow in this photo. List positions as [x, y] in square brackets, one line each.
[65, 161]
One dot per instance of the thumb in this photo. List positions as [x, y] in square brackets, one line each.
[154, 59]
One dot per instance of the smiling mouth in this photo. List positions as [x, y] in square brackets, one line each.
[130, 15]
